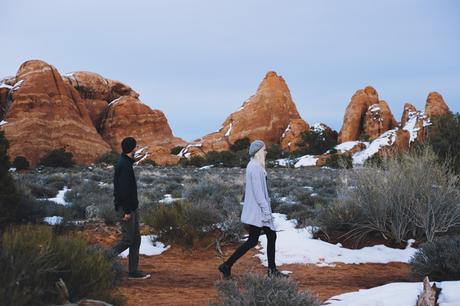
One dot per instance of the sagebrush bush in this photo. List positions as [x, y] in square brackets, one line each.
[21, 163]
[32, 259]
[410, 196]
[58, 158]
[257, 290]
[110, 158]
[439, 260]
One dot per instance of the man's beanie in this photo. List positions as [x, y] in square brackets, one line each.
[255, 146]
[128, 144]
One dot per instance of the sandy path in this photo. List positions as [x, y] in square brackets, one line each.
[187, 277]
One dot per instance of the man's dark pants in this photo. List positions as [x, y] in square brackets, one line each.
[131, 239]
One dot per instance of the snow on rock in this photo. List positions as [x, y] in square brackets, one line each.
[297, 246]
[148, 248]
[59, 198]
[3, 122]
[17, 85]
[286, 130]
[206, 167]
[318, 127]
[386, 139]
[397, 294]
[185, 153]
[229, 130]
[285, 162]
[348, 145]
[169, 199]
[3, 85]
[54, 220]
[305, 161]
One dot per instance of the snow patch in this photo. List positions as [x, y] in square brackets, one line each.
[148, 248]
[206, 167]
[3, 122]
[297, 246]
[185, 153]
[229, 130]
[54, 220]
[59, 198]
[168, 199]
[348, 145]
[286, 131]
[17, 85]
[306, 161]
[3, 85]
[386, 139]
[397, 294]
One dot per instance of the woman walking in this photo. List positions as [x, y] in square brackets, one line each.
[257, 213]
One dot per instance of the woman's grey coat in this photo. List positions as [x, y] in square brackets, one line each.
[256, 209]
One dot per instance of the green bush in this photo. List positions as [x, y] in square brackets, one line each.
[21, 163]
[444, 138]
[274, 152]
[317, 142]
[256, 290]
[176, 150]
[438, 260]
[337, 161]
[32, 259]
[58, 158]
[241, 145]
[197, 161]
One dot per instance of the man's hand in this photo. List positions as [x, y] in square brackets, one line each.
[126, 217]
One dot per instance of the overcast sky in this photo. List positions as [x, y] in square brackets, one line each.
[198, 61]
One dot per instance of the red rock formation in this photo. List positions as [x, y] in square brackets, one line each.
[47, 114]
[292, 135]
[266, 116]
[354, 115]
[97, 92]
[378, 119]
[435, 105]
[127, 116]
[408, 109]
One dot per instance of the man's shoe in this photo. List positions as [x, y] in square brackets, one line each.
[275, 273]
[138, 275]
[225, 269]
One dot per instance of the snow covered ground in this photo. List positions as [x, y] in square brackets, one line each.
[397, 294]
[305, 161]
[148, 248]
[59, 198]
[297, 246]
[54, 220]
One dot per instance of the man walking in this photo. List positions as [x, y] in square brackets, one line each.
[126, 204]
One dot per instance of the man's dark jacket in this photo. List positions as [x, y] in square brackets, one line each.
[124, 185]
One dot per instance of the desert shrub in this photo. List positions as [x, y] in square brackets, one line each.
[176, 150]
[444, 138]
[241, 145]
[412, 196]
[58, 158]
[90, 200]
[339, 216]
[197, 161]
[274, 152]
[110, 158]
[374, 161]
[32, 259]
[209, 204]
[224, 158]
[339, 161]
[21, 163]
[149, 162]
[181, 222]
[438, 260]
[254, 290]
[315, 142]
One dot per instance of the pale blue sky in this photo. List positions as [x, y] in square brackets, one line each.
[198, 61]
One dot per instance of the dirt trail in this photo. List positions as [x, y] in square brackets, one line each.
[187, 277]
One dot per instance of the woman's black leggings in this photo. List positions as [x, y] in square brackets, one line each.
[254, 233]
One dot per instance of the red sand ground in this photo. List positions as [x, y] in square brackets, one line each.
[187, 277]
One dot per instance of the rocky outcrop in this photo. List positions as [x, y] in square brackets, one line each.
[378, 119]
[266, 116]
[97, 92]
[128, 116]
[354, 114]
[293, 134]
[46, 114]
[435, 105]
